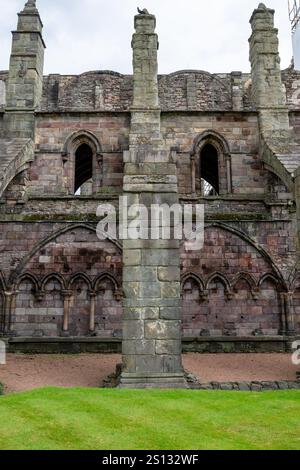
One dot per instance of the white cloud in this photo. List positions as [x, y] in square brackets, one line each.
[84, 35]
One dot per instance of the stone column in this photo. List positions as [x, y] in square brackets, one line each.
[67, 300]
[92, 311]
[9, 306]
[193, 174]
[297, 199]
[228, 173]
[289, 309]
[25, 79]
[283, 322]
[151, 273]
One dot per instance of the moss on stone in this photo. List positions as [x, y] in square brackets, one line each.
[106, 190]
[232, 217]
[60, 217]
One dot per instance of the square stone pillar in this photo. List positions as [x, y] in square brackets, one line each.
[151, 272]
[151, 283]
[25, 78]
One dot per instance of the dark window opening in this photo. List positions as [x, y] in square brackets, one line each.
[83, 167]
[209, 170]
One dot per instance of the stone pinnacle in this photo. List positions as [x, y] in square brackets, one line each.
[31, 3]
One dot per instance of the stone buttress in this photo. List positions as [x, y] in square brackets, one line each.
[151, 273]
[25, 80]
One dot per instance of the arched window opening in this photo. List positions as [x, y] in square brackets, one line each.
[209, 171]
[83, 170]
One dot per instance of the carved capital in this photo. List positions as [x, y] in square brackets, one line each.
[99, 159]
[40, 295]
[66, 294]
[65, 157]
[119, 294]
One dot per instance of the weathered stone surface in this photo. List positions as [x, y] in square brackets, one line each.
[140, 273]
[163, 257]
[162, 330]
[167, 347]
[168, 274]
[256, 387]
[133, 329]
[132, 258]
[246, 386]
[170, 313]
[240, 293]
[149, 173]
[140, 313]
[137, 347]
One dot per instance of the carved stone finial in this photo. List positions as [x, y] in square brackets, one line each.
[30, 4]
[143, 12]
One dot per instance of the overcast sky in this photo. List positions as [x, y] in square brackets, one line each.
[84, 35]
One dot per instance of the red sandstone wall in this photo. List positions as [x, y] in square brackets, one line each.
[230, 287]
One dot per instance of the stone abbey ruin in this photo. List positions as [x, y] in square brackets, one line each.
[230, 141]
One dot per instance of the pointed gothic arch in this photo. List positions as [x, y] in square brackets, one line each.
[212, 172]
[248, 278]
[194, 277]
[30, 277]
[221, 278]
[79, 277]
[109, 277]
[55, 277]
[69, 228]
[83, 159]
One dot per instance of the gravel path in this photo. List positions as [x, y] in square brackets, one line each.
[24, 372]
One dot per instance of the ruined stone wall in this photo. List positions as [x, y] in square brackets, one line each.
[43, 263]
[231, 287]
[236, 281]
[179, 91]
[291, 81]
[239, 130]
[51, 175]
[234, 286]
[295, 122]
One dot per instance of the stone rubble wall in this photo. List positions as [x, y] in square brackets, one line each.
[179, 91]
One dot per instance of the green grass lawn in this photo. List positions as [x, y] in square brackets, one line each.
[55, 418]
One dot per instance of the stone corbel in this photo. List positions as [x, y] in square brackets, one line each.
[204, 296]
[119, 295]
[99, 159]
[229, 295]
[65, 157]
[255, 293]
[40, 295]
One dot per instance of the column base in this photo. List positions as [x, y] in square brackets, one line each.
[142, 381]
